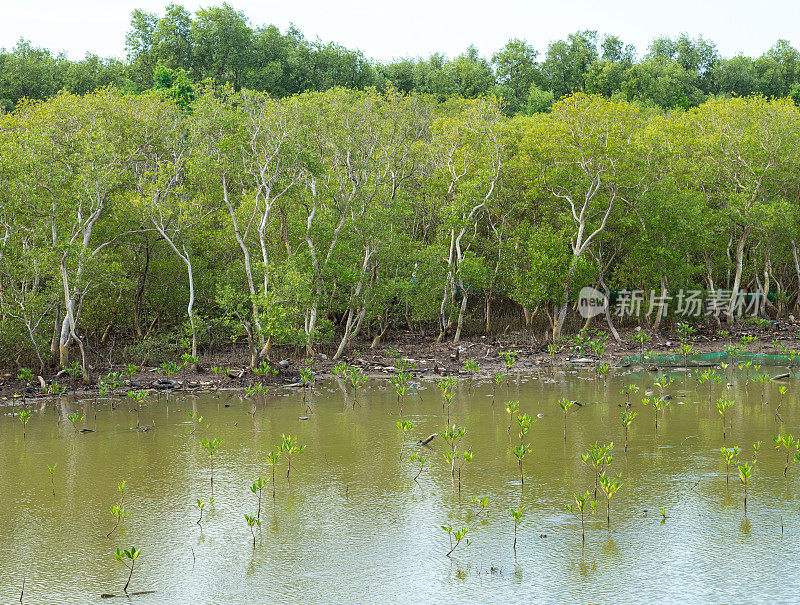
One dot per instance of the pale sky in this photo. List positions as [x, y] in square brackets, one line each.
[384, 30]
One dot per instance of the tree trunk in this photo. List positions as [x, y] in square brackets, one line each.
[461, 312]
[562, 314]
[737, 280]
[797, 270]
[247, 265]
[660, 313]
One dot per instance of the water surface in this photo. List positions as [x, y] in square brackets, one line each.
[352, 526]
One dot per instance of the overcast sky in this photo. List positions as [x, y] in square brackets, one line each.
[384, 30]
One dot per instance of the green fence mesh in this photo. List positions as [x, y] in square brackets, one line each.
[710, 359]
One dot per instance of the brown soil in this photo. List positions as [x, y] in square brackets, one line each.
[435, 359]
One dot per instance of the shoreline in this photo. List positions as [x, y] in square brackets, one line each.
[434, 359]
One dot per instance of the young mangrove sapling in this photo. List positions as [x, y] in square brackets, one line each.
[211, 448]
[517, 514]
[609, 487]
[579, 508]
[128, 559]
[565, 404]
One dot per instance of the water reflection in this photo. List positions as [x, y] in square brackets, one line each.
[353, 525]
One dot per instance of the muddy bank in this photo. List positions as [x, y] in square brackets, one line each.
[434, 359]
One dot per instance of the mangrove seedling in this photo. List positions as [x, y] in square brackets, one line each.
[512, 407]
[732, 350]
[731, 456]
[170, 368]
[602, 369]
[74, 369]
[685, 350]
[756, 450]
[497, 379]
[525, 422]
[357, 381]
[664, 516]
[627, 418]
[197, 421]
[256, 488]
[520, 452]
[211, 447]
[609, 487]
[628, 390]
[788, 443]
[709, 377]
[782, 391]
[400, 383]
[747, 339]
[272, 458]
[482, 506]
[341, 370]
[75, 418]
[289, 447]
[219, 372]
[662, 382]
[423, 460]
[56, 389]
[201, 504]
[465, 458]
[745, 473]
[580, 509]
[517, 514]
[452, 435]
[565, 404]
[52, 470]
[599, 457]
[25, 375]
[138, 397]
[119, 513]
[723, 405]
[763, 379]
[307, 378]
[118, 510]
[128, 559]
[252, 522]
[509, 359]
[263, 370]
[404, 427]
[471, 367]
[24, 416]
[188, 361]
[456, 537]
[254, 392]
[657, 403]
[641, 338]
[684, 331]
[746, 367]
[553, 350]
[445, 385]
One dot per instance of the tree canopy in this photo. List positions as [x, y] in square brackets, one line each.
[221, 44]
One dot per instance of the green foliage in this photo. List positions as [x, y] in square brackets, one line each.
[456, 536]
[75, 418]
[25, 375]
[237, 233]
[128, 559]
[24, 416]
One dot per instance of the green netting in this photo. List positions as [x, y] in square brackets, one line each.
[711, 359]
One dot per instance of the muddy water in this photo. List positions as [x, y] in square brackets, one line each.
[352, 526]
